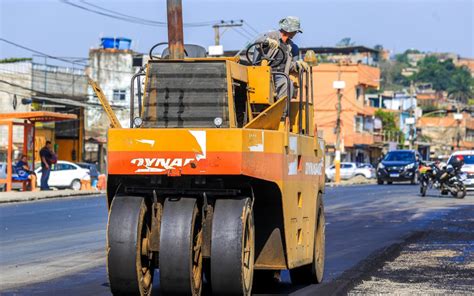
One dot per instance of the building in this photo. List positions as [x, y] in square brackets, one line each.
[347, 54]
[112, 66]
[454, 131]
[357, 117]
[30, 85]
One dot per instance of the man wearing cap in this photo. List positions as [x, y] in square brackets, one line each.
[289, 27]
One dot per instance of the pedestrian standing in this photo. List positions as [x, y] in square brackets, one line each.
[47, 156]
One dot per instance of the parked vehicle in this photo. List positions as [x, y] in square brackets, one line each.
[399, 165]
[365, 169]
[467, 168]
[349, 170]
[447, 179]
[65, 174]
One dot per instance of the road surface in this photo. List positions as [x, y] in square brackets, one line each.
[56, 247]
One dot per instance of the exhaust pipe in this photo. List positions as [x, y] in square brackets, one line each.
[175, 29]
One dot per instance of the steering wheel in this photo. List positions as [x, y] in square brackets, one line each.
[273, 61]
[150, 53]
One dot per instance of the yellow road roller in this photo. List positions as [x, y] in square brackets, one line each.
[217, 183]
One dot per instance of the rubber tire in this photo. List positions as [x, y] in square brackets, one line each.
[178, 226]
[74, 183]
[463, 193]
[313, 273]
[423, 189]
[379, 181]
[389, 182]
[124, 229]
[231, 219]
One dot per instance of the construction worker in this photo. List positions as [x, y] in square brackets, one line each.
[289, 27]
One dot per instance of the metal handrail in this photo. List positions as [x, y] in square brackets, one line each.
[132, 95]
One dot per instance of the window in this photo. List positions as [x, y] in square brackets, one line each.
[358, 123]
[64, 167]
[119, 94]
[359, 93]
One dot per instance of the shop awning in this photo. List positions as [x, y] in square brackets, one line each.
[37, 116]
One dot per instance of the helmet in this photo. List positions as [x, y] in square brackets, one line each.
[290, 24]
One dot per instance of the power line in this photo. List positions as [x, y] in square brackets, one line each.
[39, 52]
[252, 28]
[128, 18]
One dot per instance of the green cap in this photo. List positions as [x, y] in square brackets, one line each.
[290, 24]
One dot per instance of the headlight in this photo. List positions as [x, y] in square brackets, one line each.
[381, 166]
[410, 166]
[218, 121]
[137, 121]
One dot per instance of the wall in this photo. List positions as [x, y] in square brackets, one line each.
[443, 132]
[20, 74]
[112, 69]
[357, 78]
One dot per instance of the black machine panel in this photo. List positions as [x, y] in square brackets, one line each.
[185, 94]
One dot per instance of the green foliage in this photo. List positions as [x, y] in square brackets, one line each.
[345, 42]
[403, 57]
[461, 86]
[391, 76]
[435, 72]
[14, 60]
[388, 120]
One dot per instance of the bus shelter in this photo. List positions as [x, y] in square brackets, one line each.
[26, 120]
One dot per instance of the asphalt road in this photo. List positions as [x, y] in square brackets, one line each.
[56, 247]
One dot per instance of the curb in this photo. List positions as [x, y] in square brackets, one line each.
[14, 197]
[343, 184]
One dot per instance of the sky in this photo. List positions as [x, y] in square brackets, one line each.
[58, 29]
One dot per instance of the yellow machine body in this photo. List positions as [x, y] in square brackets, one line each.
[280, 160]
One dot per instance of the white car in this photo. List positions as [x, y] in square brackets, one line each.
[65, 174]
[365, 169]
[468, 166]
[351, 169]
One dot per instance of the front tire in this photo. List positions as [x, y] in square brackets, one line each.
[129, 261]
[380, 181]
[180, 254]
[232, 247]
[76, 184]
[461, 193]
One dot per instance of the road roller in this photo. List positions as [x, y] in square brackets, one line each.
[217, 185]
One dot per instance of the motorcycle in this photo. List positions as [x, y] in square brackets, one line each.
[448, 179]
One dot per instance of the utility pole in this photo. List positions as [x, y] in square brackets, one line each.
[226, 25]
[339, 85]
[412, 116]
[458, 116]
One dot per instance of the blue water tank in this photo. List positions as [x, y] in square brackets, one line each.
[124, 43]
[108, 42]
[116, 43]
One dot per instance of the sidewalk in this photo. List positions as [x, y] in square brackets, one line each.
[22, 196]
[358, 180]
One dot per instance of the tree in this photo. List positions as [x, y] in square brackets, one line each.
[345, 42]
[389, 124]
[391, 75]
[460, 88]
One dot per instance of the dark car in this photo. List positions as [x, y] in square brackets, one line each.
[398, 166]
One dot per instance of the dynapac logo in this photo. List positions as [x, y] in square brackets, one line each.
[159, 164]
